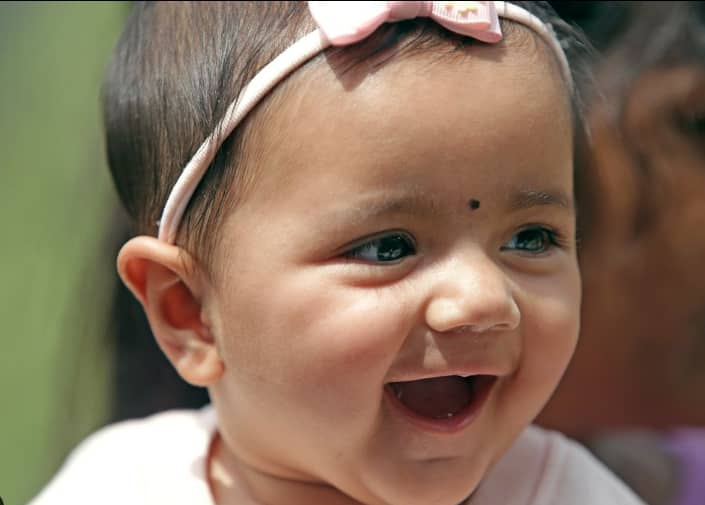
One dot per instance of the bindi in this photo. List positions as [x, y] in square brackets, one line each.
[473, 204]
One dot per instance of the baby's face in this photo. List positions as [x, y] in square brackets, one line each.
[407, 227]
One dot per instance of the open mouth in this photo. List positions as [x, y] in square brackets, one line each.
[443, 403]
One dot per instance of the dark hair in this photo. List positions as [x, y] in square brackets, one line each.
[178, 66]
[637, 36]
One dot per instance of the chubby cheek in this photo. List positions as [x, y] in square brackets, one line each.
[550, 327]
[311, 343]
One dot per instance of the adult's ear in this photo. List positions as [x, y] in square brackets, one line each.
[645, 150]
[663, 106]
[664, 123]
[167, 282]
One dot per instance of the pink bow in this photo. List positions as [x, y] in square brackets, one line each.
[345, 23]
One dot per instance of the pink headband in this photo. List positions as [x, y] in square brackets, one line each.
[343, 23]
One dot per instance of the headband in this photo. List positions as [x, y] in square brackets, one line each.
[339, 24]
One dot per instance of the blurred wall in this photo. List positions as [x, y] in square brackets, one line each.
[55, 260]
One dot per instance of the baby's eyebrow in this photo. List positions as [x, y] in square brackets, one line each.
[419, 203]
[414, 203]
[526, 198]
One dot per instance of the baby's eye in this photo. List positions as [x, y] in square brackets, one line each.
[535, 240]
[383, 249]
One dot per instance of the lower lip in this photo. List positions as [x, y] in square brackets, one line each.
[447, 425]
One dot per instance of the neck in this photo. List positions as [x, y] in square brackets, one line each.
[234, 481]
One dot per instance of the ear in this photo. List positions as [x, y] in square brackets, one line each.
[167, 282]
[660, 105]
[635, 152]
[664, 119]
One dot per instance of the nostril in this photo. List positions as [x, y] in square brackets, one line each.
[503, 326]
[466, 328]
[478, 328]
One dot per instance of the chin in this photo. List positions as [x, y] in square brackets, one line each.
[441, 482]
[430, 494]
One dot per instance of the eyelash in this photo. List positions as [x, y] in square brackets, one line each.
[551, 239]
[394, 254]
[397, 241]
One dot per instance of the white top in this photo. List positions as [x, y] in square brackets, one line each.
[162, 459]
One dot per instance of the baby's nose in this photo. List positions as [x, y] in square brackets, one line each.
[472, 294]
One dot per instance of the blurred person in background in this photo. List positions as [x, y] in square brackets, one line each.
[638, 375]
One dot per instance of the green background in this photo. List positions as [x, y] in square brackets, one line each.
[56, 209]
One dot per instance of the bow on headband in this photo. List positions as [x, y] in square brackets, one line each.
[345, 23]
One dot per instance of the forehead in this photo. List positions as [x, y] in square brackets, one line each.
[496, 111]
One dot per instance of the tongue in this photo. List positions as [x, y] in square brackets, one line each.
[437, 398]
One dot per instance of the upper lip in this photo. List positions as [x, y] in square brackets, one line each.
[433, 374]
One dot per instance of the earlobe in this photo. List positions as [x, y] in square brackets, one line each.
[169, 286]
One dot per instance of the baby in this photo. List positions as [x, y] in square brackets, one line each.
[369, 262]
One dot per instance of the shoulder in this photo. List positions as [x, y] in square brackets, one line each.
[546, 468]
[133, 461]
[571, 474]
